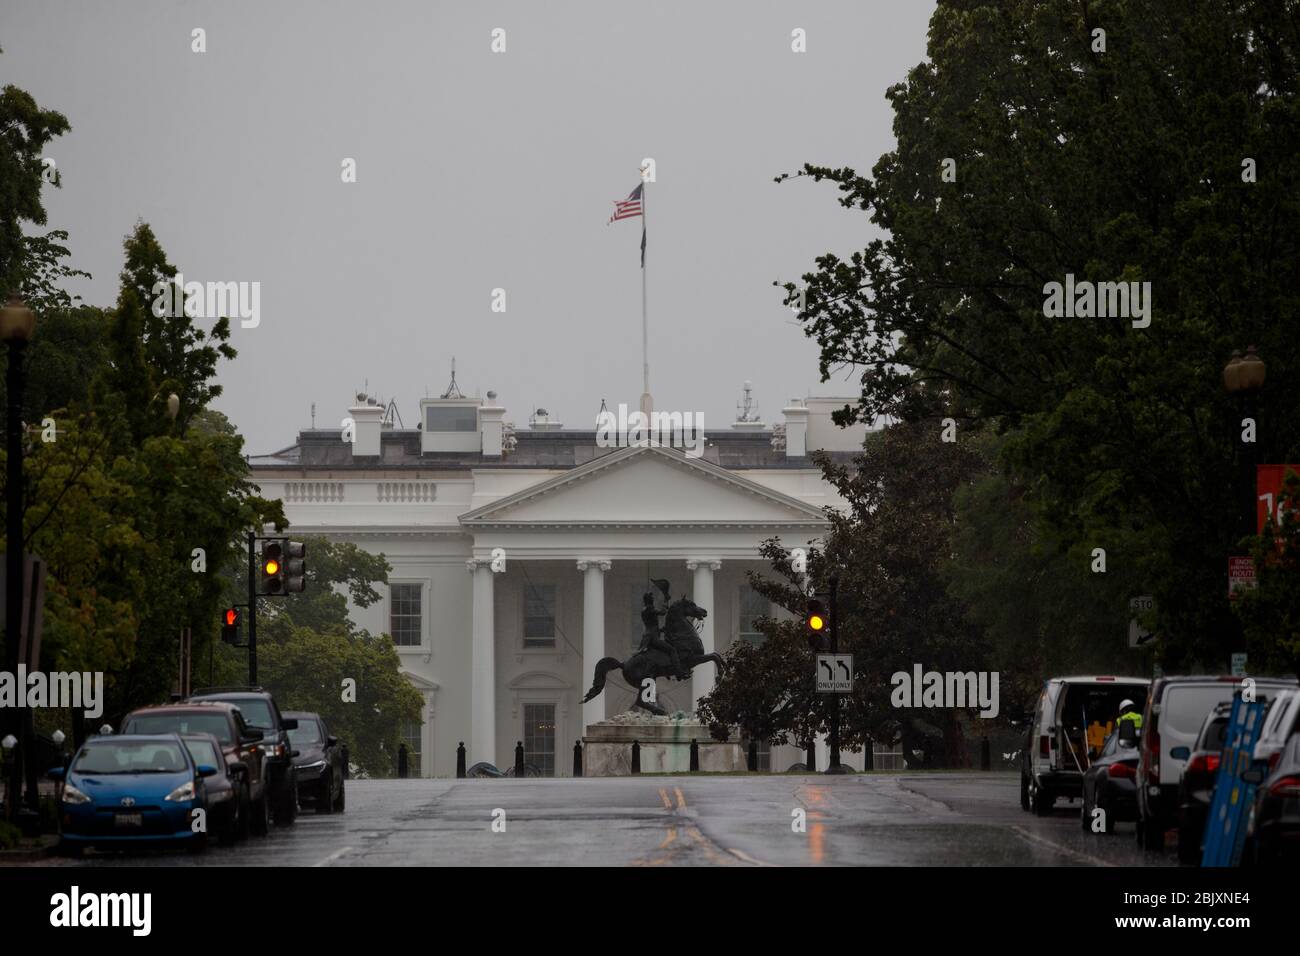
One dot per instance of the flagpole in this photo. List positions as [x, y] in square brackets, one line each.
[645, 322]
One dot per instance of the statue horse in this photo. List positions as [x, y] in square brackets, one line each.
[679, 631]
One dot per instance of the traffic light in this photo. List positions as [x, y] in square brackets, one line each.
[230, 621]
[295, 567]
[272, 566]
[817, 623]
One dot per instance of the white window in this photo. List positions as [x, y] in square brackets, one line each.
[752, 606]
[404, 615]
[539, 615]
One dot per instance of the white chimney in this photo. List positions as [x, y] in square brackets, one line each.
[367, 424]
[490, 418]
[796, 429]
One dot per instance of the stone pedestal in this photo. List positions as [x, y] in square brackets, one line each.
[665, 746]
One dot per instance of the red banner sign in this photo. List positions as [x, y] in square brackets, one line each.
[1268, 488]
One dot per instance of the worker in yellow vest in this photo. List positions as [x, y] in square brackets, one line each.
[1128, 711]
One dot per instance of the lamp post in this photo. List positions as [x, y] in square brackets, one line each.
[17, 323]
[1243, 377]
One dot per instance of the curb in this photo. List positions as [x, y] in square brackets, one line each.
[28, 854]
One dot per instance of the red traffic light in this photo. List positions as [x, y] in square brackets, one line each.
[232, 617]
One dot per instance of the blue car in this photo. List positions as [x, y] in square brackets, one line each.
[131, 789]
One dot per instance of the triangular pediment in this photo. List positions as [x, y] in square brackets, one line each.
[647, 486]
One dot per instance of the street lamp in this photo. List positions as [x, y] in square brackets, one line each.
[17, 324]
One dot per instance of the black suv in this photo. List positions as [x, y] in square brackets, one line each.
[261, 713]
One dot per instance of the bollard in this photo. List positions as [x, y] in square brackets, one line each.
[519, 758]
[751, 756]
[868, 755]
[460, 761]
[347, 762]
[985, 757]
[577, 759]
[636, 756]
[695, 756]
[810, 757]
[401, 761]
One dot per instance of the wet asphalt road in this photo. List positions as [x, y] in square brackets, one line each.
[933, 819]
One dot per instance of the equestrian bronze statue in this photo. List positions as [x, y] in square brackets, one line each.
[670, 650]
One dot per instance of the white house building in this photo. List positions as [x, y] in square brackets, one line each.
[507, 655]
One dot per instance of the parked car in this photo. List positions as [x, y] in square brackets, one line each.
[223, 788]
[1175, 712]
[138, 788]
[1281, 721]
[319, 763]
[262, 714]
[1196, 788]
[240, 744]
[1110, 783]
[1274, 828]
[1073, 718]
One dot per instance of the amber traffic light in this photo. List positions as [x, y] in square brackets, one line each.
[272, 566]
[816, 624]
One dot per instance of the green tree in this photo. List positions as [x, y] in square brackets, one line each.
[155, 354]
[1039, 606]
[307, 646]
[25, 131]
[767, 691]
[888, 547]
[1170, 157]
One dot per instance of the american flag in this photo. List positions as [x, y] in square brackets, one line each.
[627, 208]
[630, 208]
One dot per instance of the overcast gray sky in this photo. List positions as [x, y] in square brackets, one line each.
[475, 171]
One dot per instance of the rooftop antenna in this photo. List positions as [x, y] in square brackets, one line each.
[604, 410]
[746, 410]
[391, 413]
[313, 416]
[452, 390]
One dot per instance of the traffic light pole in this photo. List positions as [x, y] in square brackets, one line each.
[252, 607]
[835, 698]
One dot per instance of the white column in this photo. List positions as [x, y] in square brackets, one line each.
[593, 633]
[703, 676]
[483, 687]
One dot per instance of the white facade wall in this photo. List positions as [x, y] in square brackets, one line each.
[641, 511]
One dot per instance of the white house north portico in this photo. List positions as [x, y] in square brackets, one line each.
[560, 538]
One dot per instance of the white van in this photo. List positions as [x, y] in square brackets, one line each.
[1073, 718]
[1175, 711]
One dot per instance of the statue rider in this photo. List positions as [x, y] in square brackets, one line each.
[653, 636]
